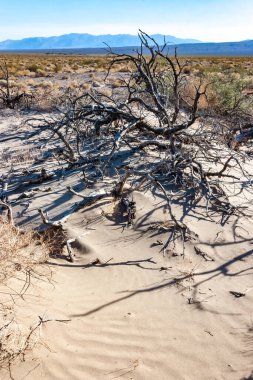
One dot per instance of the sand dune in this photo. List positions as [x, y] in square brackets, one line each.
[138, 314]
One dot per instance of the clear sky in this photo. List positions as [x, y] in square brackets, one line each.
[207, 20]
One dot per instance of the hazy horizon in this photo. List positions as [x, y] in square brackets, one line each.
[209, 21]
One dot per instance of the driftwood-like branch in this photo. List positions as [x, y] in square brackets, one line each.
[57, 223]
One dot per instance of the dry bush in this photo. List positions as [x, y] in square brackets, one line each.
[187, 94]
[23, 87]
[73, 84]
[45, 84]
[30, 82]
[187, 70]
[85, 86]
[41, 73]
[57, 67]
[97, 78]
[34, 67]
[20, 252]
[116, 82]
[47, 96]
[105, 91]
[31, 74]
[25, 73]
[11, 83]
[123, 69]
[10, 95]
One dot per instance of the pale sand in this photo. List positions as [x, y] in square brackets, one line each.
[131, 320]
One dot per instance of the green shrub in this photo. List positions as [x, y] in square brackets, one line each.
[228, 95]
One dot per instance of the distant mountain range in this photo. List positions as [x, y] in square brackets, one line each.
[243, 48]
[77, 41]
[123, 43]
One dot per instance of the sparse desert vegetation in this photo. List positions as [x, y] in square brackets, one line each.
[130, 173]
[230, 78]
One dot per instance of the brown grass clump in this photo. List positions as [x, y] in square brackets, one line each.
[105, 91]
[85, 86]
[116, 82]
[20, 252]
[45, 84]
[46, 97]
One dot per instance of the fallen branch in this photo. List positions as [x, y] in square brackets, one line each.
[203, 254]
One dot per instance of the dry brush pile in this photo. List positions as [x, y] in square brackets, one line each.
[152, 133]
[149, 132]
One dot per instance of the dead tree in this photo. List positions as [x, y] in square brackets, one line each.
[156, 108]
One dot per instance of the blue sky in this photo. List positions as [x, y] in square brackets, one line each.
[207, 20]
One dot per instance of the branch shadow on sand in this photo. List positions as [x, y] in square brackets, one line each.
[221, 270]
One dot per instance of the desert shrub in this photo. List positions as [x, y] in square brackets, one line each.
[115, 82]
[23, 87]
[45, 84]
[57, 67]
[23, 72]
[10, 94]
[227, 94]
[187, 70]
[123, 69]
[33, 68]
[20, 252]
[105, 91]
[85, 86]
[249, 83]
[4, 84]
[30, 82]
[73, 83]
[46, 95]
[41, 73]
[75, 67]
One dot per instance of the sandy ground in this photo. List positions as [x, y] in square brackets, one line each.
[133, 311]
